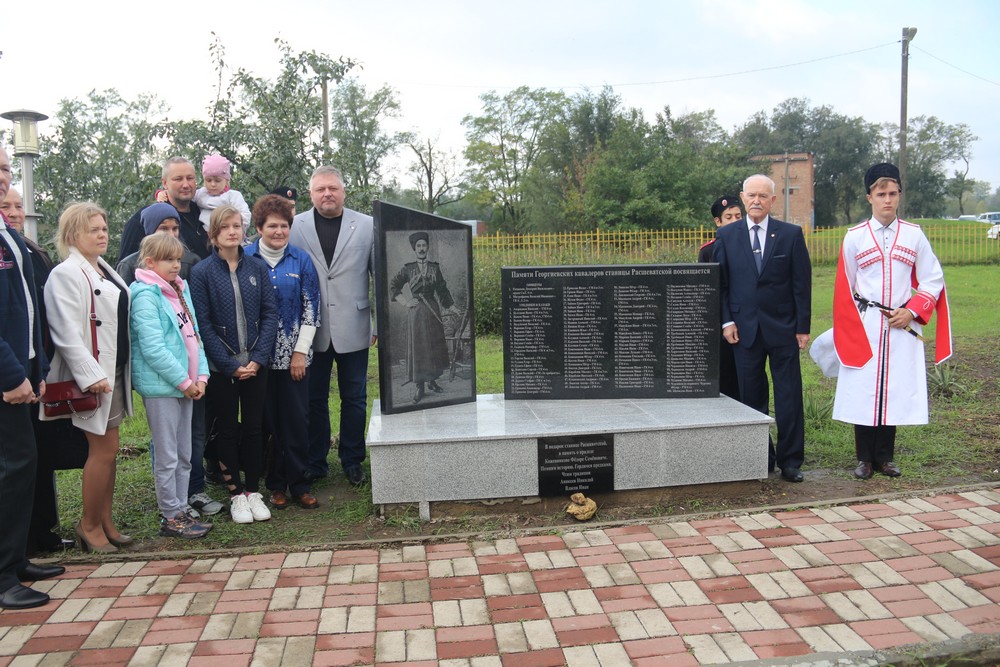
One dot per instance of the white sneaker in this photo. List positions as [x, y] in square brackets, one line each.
[239, 509]
[257, 507]
[191, 512]
[204, 504]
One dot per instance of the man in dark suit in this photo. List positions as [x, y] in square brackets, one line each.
[766, 307]
[23, 367]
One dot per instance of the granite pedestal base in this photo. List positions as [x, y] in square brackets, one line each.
[489, 449]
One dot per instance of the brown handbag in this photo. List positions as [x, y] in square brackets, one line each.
[66, 398]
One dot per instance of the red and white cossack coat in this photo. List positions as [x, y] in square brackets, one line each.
[883, 376]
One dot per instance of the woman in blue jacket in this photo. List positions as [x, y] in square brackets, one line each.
[296, 285]
[233, 297]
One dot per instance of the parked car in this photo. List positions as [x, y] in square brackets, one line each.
[967, 217]
[993, 232]
[991, 218]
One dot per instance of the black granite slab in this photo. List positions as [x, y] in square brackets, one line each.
[425, 310]
[576, 463]
[631, 331]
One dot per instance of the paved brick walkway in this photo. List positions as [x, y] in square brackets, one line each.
[742, 588]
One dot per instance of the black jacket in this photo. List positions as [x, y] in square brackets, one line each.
[193, 234]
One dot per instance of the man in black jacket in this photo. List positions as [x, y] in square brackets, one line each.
[23, 367]
[180, 185]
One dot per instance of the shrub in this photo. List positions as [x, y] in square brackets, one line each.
[942, 381]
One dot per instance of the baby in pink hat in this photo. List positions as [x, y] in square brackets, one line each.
[215, 175]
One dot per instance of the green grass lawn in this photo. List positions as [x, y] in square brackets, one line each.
[959, 445]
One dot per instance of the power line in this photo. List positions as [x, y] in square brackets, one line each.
[759, 69]
[705, 77]
[975, 76]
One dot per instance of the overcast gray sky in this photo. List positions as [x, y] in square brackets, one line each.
[734, 56]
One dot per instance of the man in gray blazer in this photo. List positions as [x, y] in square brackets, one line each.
[341, 243]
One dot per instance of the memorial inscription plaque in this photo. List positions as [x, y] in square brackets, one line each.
[423, 299]
[576, 463]
[636, 331]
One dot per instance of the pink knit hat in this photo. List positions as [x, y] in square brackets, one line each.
[215, 165]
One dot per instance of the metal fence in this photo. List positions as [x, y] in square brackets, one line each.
[955, 242]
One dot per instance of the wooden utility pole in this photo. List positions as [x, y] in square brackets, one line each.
[908, 35]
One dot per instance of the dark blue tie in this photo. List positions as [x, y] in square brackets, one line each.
[757, 255]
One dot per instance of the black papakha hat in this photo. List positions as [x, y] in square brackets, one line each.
[286, 192]
[418, 236]
[881, 170]
[724, 202]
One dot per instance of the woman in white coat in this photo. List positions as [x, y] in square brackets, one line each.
[82, 279]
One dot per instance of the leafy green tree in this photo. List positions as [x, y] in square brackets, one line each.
[361, 140]
[437, 174]
[931, 145]
[103, 149]
[842, 147]
[504, 143]
[663, 175]
[697, 163]
[554, 188]
[960, 145]
[269, 129]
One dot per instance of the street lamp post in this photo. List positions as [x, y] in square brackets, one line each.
[908, 35]
[26, 147]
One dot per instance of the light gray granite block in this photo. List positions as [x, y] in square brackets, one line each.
[489, 449]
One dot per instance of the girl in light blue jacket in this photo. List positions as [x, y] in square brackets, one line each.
[169, 370]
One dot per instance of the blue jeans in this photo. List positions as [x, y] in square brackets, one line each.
[352, 378]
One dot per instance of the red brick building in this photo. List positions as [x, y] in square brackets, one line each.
[792, 174]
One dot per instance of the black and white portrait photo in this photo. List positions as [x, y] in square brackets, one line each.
[426, 324]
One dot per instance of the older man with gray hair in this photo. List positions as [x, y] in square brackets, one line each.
[341, 244]
[766, 298]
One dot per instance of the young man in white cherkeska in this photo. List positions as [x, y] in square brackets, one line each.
[889, 283]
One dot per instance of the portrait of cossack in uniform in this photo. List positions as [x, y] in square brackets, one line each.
[429, 304]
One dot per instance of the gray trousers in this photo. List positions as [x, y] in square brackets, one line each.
[170, 425]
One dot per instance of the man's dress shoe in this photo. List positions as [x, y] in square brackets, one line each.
[279, 500]
[864, 470]
[355, 475]
[22, 597]
[307, 501]
[33, 572]
[889, 469]
[791, 474]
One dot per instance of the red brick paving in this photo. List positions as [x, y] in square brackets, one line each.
[468, 615]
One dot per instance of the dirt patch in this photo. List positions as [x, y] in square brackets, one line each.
[820, 486]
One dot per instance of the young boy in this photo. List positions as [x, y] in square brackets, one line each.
[888, 285]
[215, 174]
[725, 210]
